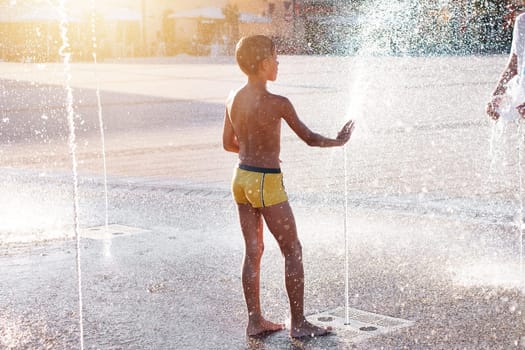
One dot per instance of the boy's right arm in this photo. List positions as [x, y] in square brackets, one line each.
[511, 69]
[308, 136]
[229, 139]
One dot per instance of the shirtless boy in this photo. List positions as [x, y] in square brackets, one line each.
[252, 128]
[515, 67]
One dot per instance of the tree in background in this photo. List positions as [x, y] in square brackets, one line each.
[232, 15]
[167, 33]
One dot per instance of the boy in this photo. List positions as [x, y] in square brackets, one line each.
[252, 128]
[508, 97]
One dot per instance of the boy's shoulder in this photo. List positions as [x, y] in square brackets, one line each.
[278, 98]
[278, 103]
[520, 18]
[235, 94]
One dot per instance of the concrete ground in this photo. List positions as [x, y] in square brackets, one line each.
[432, 190]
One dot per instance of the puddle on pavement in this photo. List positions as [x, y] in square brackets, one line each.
[110, 231]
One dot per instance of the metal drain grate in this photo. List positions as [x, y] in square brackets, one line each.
[361, 324]
[110, 231]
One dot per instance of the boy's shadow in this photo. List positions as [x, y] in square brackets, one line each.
[282, 340]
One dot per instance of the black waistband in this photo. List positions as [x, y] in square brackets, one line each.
[260, 170]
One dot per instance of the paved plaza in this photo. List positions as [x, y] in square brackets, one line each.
[432, 187]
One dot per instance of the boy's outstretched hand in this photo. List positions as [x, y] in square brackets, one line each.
[346, 132]
[521, 110]
[492, 108]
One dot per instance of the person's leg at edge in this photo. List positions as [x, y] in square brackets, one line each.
[252, 229]
[281, 223]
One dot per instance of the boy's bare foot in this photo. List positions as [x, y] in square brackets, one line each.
[306, 329]
[263, 327]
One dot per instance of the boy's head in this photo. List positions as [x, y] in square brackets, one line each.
[251, 51]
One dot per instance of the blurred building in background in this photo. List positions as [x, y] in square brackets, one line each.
[30, 29]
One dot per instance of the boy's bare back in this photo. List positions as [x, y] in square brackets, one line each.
[255, 115]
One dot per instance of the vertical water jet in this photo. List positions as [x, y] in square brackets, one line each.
[64, 52]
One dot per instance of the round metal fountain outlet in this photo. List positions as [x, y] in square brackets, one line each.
[325, 319]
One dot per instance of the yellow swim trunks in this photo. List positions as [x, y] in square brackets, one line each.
[260, 187]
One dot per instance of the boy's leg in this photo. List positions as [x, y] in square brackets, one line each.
[252, 229]
[281, 222]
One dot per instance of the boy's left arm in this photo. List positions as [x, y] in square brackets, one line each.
[308, 136]
[229, 139]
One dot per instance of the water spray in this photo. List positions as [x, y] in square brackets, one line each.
[99, 108]
[64, 51]
[520, 224]
[347, 259]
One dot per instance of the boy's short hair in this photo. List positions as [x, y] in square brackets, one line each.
[252, 50]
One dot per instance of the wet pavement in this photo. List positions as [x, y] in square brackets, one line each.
[432, 216]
